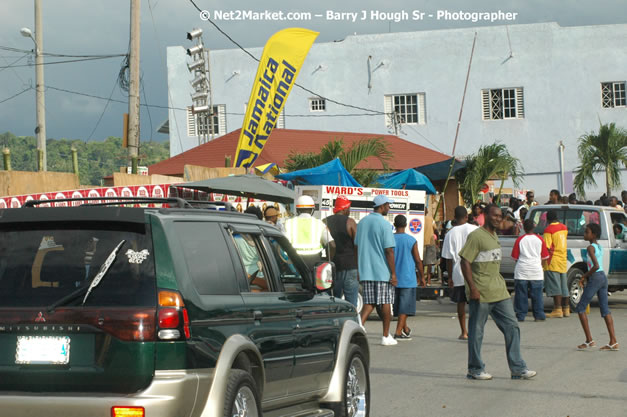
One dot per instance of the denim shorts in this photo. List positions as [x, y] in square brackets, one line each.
[596, 284]
[405, 301]
[555, 283]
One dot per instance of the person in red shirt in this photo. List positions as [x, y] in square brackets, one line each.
[529, 251]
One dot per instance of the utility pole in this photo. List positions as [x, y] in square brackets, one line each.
[133, 90]
[39, 75]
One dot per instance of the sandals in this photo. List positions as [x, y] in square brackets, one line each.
[587, 345]
[609, 347]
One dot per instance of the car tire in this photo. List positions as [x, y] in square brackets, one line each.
[575, 290]
[356, 387]
[242, 396]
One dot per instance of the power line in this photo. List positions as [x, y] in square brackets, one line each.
[30, 51]
[60, 62]
[103, 110]
[15, 95]
[64, 90]
[296, 84]
[141, 84]
[12, 64]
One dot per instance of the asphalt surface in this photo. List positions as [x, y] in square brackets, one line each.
[427, 375]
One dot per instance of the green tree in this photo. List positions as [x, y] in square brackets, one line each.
[350, 158]
[605, 150]
[96, 159]
[490, 162]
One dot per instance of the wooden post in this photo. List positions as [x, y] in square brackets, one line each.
[6, 156]
[75, 161]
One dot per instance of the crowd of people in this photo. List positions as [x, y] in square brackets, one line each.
[388, 267]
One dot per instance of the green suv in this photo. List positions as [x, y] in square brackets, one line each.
[116, 311]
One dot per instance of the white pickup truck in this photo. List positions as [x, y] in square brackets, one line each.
[575, 217]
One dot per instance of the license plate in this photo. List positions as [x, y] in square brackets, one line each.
[43, 350]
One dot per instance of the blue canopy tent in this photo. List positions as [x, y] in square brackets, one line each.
[409, 179]
[330, 173]
[439, 171]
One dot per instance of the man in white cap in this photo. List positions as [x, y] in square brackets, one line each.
[375, 244]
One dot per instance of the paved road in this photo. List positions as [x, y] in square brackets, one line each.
[426, 376]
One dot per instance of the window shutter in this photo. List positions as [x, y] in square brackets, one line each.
[520, 104]
[280, 124]
[485, 99]
[191, 123]
[388, 109]
[221, 119]
[422, 109]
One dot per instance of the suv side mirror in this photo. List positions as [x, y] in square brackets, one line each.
[324, 274]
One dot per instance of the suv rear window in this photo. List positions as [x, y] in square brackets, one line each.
[40, 263]
[575, 220]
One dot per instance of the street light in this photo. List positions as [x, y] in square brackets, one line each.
[40, 130]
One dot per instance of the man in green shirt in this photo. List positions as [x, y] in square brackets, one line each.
[487, 295]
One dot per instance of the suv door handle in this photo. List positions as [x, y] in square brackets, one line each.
[257, 315]
[299, 313]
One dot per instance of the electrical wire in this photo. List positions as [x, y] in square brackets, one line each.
[15, 95]
[103, 111]
[59, 62]
[376, 112]
[30, 51]
[141, 84]
[12, 64]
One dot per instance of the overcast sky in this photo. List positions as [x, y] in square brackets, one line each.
[79, 27]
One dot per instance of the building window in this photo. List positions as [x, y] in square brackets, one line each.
[405, 109]
[503, 103]
[613, 94]
[317, 104]
[202, 124]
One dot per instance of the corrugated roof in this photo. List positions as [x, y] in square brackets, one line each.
[283, 141]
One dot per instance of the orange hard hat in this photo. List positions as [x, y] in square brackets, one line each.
[341, 203]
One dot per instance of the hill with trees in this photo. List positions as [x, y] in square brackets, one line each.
[95, 159]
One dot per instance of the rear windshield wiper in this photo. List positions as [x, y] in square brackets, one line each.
[95, 281]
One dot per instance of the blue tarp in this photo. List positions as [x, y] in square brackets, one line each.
[409, 179]
[331, 173]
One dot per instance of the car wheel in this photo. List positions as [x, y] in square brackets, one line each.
[356, 391]
[574, 289]
[242, 397]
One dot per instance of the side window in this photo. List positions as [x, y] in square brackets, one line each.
[618, 225]
[290, 269]
[580, 220]
[207, 257]
[248, 248]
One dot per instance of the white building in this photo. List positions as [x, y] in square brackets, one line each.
[530, 86]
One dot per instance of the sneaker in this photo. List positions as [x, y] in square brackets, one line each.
[404, 333]
[402, 336]
[526, 374]
[483, 376]
[388, 341]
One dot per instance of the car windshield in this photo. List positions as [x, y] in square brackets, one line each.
[41, 263]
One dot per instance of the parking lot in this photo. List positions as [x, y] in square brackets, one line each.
[426, 376]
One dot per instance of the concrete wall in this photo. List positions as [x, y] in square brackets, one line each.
[559, 68]
[121, 179]
[23, 182]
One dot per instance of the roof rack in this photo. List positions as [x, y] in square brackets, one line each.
[114, 201]
[212, 205]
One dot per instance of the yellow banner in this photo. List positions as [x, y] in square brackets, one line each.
[280, 62]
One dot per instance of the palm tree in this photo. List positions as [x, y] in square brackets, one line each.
[350, 158]
[605, 150]
[490, 162]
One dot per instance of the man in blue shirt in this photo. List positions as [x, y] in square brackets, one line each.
[375, 244]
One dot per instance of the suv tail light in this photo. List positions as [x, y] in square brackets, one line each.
[118, 411]
[172, 316]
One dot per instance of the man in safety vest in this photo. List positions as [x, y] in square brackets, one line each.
[308, 235]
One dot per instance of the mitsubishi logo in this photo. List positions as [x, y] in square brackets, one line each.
[40, 317]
